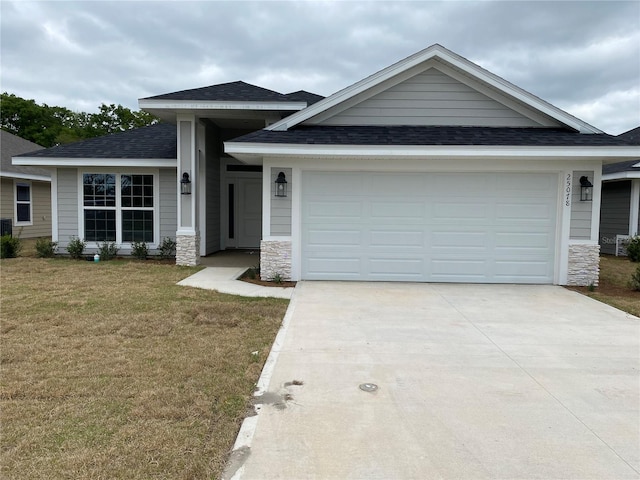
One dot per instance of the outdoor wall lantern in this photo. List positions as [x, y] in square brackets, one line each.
[185, 184]
[586, 189]
[281, 185]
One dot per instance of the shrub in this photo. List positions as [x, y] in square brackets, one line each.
[167, 248]
[76, 247]
[107, 251]
[277, 278]
[633, 248]
[634, 283]
[10, 246]
[139, 250]
[45, 248]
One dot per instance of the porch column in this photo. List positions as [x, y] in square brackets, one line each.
[187, 235]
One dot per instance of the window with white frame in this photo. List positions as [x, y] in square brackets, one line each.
[119, 207]
[23, 207]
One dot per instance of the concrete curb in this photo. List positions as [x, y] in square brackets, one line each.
[242, 446]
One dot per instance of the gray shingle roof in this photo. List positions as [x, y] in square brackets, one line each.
[632, 137]
[231, 92]
[419, 135]
[304, 96]
[12, 145]
[155, 141]
[621, 167]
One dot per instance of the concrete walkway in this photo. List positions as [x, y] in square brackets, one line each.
[413, 381]
[222, 271]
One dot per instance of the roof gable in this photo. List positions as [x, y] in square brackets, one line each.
[454, 66]
[434, 96]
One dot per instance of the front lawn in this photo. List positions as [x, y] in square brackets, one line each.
[615, 273]
[110, 370]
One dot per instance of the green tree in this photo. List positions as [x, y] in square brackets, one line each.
[49, 126]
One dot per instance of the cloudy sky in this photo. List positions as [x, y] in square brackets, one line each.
[582, 56]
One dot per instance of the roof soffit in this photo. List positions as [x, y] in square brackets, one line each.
[413, 65]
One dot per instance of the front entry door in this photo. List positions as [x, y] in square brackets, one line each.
[245, 213]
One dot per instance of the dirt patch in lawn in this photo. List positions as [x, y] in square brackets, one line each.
[613, 288]
[111, 370]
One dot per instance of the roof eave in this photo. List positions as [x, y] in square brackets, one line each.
[96, 162]
[620, 175]
[219, 105]
[605, 154]
[25, 176]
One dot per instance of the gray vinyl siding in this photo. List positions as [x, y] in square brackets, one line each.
[40, 208]
[431, 98]
[67, 206]
[168, 203]
[280, 207]
[213, 206]
[580, 227]
[614, 213]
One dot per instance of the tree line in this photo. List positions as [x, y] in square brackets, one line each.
[49, 126]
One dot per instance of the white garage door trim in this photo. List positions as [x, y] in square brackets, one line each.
[429, 227]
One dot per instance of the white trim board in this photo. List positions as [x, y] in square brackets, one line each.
[97, 162]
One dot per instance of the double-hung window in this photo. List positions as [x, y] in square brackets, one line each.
[119, 207]
[23, 207]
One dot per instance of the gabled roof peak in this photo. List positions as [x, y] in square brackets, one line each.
[438, 53]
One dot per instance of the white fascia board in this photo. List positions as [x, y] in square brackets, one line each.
[637, 165]
[448, 57]
[471, 151]
[218, 105]
[25, 176]
[620, 176]
[96, 162]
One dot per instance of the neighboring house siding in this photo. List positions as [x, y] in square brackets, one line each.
[168, 203]
[67, 206]
[580, 211]
[40, 208]
[431, 98]
[6, 199]
[280, 207]
[614, 213]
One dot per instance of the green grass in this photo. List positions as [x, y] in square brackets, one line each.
[111, 370]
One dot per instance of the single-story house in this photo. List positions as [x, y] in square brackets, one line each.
[620, 204]
[430, 170]
[25, 192]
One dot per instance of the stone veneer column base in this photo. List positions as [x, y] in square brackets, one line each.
[584, 265]
[275, 259]
[188, 250]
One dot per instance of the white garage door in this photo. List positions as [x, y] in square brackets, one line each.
[437, 227]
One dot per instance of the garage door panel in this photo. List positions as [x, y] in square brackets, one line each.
[334, 237]
[349, 210]
[402, 238]
[388, 268]
[453, 212]
[452, 228]
[397, 209]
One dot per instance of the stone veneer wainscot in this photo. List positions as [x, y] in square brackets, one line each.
[275, 259]
[584, 265]
[188, 250]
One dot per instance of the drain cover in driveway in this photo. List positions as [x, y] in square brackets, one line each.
[368, 387]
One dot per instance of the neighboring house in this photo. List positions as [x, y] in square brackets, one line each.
[620, 206]
[431, 170]
[25, 192]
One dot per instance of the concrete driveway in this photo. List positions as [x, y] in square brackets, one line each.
[473, 381]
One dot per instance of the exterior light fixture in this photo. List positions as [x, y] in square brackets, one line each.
[586, 189]
[185, 184]
[281, 185]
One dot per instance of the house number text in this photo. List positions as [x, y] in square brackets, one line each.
[567, 191]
